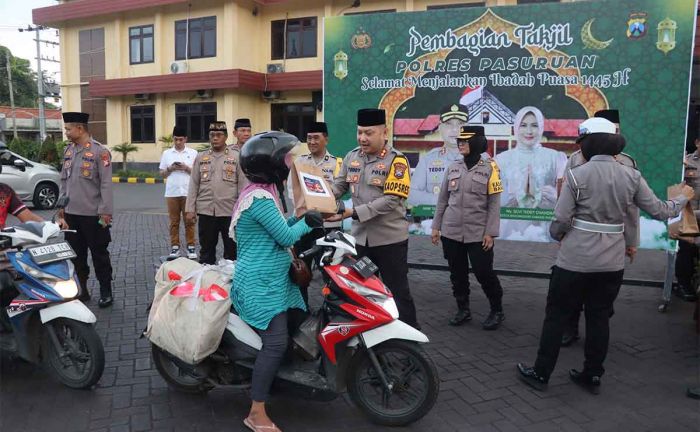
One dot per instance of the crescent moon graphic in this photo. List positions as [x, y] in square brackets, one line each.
[591, 42]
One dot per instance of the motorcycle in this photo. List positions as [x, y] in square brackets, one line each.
[358, 344]
[40, 319]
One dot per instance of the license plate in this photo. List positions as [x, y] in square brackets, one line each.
[365, 267]
[51, 253]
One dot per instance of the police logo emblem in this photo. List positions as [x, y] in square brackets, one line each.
[355, 163]
[637, 25]
[399, 170]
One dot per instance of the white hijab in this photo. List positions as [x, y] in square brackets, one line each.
[540, 123]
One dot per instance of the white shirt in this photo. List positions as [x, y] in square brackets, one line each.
[178, 182]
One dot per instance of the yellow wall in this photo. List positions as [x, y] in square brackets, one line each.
[243, 41]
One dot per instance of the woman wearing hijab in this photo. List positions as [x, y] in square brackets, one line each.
[466, 221]
[530, 175]
[262, 289]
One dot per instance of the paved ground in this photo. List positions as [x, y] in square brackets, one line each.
[653, 358]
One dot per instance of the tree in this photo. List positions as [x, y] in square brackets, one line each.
[23, 81]
[124, 149]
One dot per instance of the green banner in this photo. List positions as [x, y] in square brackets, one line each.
[530, 75]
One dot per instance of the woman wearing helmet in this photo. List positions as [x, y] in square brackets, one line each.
[262, 289]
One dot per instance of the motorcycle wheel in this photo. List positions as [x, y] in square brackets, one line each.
[413, 376]
[175, 377]
[80, 360]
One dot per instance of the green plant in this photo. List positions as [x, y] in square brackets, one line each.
[166, 141]
[48, 153]
[25, 148]
[203, 147]
[124, 149]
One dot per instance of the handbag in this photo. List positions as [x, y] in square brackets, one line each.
[299, 272]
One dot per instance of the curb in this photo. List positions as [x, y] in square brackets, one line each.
[149, 180]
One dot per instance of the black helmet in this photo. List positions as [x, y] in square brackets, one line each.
[263, 157]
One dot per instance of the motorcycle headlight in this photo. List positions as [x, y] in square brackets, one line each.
[67, 289]
[371, 294]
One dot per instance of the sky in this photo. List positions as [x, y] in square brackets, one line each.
[15, 14]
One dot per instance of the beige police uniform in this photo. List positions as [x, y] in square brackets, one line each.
[214, 188]
[86, 178]
[379, 185]
[692, 177]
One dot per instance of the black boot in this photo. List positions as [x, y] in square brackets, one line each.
[590, 383]
[569, 337]
[531, 378]
[494, 320]
[685, 292]
[463, 315]
[84, 295]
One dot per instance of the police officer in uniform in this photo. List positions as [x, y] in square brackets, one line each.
[430, 171]
[378, 178]
[214, 188]
[86, 178]
[243, 130]
[467, 219]
[589, 223]
[687, 255]
[317, 141]
[571, 333]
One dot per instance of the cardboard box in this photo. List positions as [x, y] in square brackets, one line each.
[687, 225]
[310, 190]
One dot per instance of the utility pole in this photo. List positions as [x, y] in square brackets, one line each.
[40, 78]
[12, 94]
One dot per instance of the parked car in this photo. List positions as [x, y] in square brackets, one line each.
[33, 182]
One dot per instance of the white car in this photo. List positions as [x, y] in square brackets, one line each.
[32, 182]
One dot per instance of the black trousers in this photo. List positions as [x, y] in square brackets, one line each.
[685, 263]
[458, 256]
[90, 235]
[274, 344]
[392, 260]
[210, 228]
[568, 290]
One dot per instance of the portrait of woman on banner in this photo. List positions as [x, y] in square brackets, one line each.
[531, 174]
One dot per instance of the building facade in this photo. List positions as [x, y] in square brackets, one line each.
[26, 122]
[141, 66]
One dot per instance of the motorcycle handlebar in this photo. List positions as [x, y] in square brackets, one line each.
[313, 251]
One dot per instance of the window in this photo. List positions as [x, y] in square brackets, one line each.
[142, 124]
[91, 48]
[457, 5]
[202, 43]
[301, 38]
[371, 12]
[293, 118]
[141, 44]
[195, 118]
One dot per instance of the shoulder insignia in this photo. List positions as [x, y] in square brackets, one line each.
[398, 182]
[495, 184]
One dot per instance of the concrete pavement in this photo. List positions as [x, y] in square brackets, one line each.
[653, 357]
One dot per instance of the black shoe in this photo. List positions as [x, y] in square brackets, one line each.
[462, 316]
[591, 383]
[493, 321]
[84, 296]
[569, 338]
[105, 301]
[530, 377]
[684, 292]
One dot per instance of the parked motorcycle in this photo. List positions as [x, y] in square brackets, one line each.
[358, 344]
[40, 319]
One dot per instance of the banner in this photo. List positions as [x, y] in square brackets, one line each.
[530, 75]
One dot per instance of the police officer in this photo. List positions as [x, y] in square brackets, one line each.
[467, 219]
[378, 178]
[86, 178]
[242, 130]
[686, 258]
[214, 188]
[430, 171]
[589, 223]
[571, 333]
[317, 141]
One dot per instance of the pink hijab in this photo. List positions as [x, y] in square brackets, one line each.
[540, 122]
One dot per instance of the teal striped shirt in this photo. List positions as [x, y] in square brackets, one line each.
[262, 288]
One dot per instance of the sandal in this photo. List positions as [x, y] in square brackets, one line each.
[257, 428]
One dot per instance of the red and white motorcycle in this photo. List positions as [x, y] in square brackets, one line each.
[354, 341]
